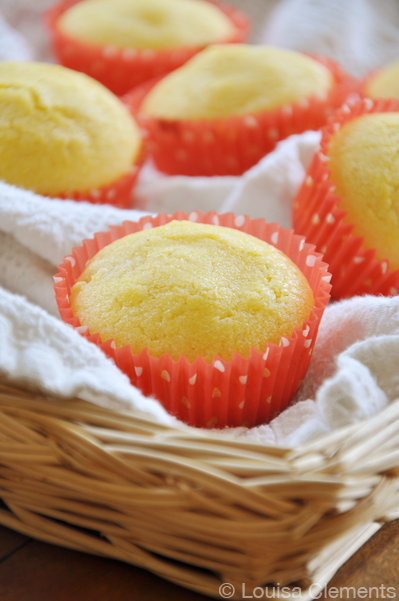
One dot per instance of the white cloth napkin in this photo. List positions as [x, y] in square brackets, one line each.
[354, 367]
[13, 45]
[361, 35]
[352, 374]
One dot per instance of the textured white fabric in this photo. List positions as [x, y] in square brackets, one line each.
[361, 34]
[36, 233]
[354, 367]
[26, 16]
[24, 272]
[353, 370]
[157, 192]
[50, 227]
[40, 349]
[267, 190]
[13, 45]
[343, 325]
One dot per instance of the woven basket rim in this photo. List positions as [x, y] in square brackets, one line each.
[175, 499]
[343, 433]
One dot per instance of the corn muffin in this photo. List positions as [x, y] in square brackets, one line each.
[193, 290]
[146, 24]
[61, 131]
[383, 83]
[226, 80]
[364, 164]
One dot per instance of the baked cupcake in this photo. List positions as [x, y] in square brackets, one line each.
[209, 317]
[383, 83]
[194, 290]
[125, 42]
[229, 105]
[63, 134]
[349, 203]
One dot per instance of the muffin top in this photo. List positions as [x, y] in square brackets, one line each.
[61, 131]
[146, 24]
[192, 289]
[384, 83]
[236, 79]
[364, 163]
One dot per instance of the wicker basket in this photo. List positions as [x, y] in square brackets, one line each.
[195, 510]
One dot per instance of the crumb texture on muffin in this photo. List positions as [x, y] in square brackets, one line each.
[364, 163]
[146, 24]
[192, 289]
[61, 131]
[384, 83]
[236, 79]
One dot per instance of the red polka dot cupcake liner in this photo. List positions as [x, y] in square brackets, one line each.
[232, 145]
[316, 215]
[240, 392]
[120, 69]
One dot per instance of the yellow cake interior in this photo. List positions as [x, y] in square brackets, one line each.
[146, 24]
[236, 79]
[364, 166]
[61, 131]
[192, 289]
[385, 83]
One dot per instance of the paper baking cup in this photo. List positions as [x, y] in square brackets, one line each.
[316, 215]
[222, 393]
[120, 69]
[232, 145]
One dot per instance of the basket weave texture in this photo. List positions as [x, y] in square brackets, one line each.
[197, 510]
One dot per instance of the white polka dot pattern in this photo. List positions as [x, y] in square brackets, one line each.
[315, 219]
[274, 238]
[165, 375]
[82, 329]
[311, 260]
[330, 218]
[239, 220]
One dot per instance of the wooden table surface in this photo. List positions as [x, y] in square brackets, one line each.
[35, 571]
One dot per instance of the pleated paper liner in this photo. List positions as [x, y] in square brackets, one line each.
[120, 69]
[316, 215]
[232, 145]
[223, 393]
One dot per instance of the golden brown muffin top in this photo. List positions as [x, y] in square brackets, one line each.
[192, 289]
